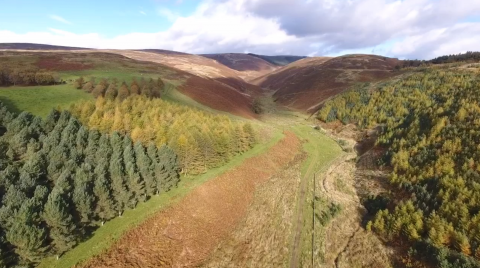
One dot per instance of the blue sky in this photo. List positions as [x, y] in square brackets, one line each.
[398, 28]
[108, 18]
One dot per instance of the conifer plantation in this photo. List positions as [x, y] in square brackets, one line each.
[59, 181]
[429, 122]
[201, 140]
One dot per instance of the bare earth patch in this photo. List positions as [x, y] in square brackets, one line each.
[185, 234]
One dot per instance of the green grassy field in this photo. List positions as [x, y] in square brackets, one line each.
[40, 100]
[105, 236]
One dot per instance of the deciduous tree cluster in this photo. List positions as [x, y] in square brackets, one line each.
[109, 89]
[431, 126]
[59, 181]
[201, 140]
[27, 77]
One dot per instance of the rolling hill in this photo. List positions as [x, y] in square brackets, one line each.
[249, 66]
[234, 98]
[278, 60]
[303, 85]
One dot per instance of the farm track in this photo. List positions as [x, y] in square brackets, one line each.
[296, 247]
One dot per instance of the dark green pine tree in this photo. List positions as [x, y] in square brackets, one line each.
[69, 133]
[135, 183]
[117, 173]
[33, 173]
[65, 181]
[26, 234]
[60, 221]
[63, 120]
[11, 202]
[8, 176]
[57, 158]
[159, 170]
[105, 207]
[144, 164]
[82, 140]
[167, 168]
[92, 147]
[22, 121]
[51, 120]
[83, 197]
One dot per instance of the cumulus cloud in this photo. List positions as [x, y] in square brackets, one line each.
[459, 38]
[403, 28]
[60, 19]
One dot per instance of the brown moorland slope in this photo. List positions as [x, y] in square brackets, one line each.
[307, 83]
[250, 67]
[99, 63]
[185, 235]
[196, 65]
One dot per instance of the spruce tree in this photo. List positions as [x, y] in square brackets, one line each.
[167, 168]
[117, 173]
[83, 197]
[144, 164]
[135, 182]
[105, 207]
[28, 238]
[60, 221]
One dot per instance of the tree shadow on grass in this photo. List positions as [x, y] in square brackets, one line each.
[11, 106]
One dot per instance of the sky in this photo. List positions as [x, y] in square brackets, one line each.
[406, 29]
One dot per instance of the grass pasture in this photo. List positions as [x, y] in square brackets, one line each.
[40, 100]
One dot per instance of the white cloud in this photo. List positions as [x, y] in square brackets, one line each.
[143, 13]
[459, 38]
[168, 14]
[403, 28]
[60, 19]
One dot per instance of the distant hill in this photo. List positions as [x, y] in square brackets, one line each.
[278, 60]
[29, 46]
[305, 84]
[249, 66]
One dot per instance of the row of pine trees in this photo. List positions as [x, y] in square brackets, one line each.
[59, 181]
[109, 89]
[200, 139]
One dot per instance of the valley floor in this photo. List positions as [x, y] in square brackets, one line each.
[268, 211]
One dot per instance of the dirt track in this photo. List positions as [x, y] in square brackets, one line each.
[184, 235]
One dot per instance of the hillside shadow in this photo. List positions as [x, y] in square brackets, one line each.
[11, 106]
